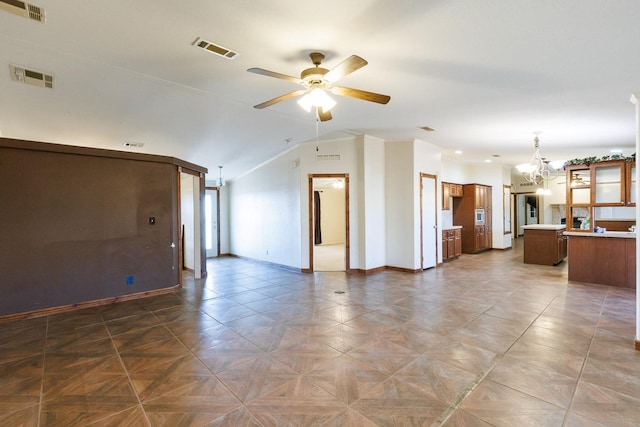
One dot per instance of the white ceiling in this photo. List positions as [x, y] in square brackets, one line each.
[485, 74]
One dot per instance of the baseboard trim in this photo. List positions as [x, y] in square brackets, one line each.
[272, 264]
[404, 270]
[87, 304]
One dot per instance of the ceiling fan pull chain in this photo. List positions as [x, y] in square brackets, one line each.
[317, 120]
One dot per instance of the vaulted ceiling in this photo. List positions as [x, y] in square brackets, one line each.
[484, 74]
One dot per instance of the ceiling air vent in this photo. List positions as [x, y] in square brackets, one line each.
[23, 9]
[214, 48]
[31, 77]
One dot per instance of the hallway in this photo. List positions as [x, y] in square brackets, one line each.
[484, 340]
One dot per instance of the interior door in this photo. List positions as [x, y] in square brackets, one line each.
[428, 198]
[211, 222]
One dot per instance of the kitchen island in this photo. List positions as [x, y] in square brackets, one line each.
[544, 244]
[604, 258]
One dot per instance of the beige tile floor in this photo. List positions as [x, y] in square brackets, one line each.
[484, 340]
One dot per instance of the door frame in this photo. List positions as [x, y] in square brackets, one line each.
[347, 245]
[435, 206]
[198, 201]
[217, 190]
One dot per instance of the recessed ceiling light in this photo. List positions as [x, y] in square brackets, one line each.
[487, 161]
[458, 152]
[495, 155]
[427, 128]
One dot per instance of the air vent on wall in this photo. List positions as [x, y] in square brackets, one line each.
[324, 157]
[23, 9]
[31, 77]
[215, 49]
[134, 144]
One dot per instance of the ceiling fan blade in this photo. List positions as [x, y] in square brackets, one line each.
[281, 98]
[361, 94]
[324, 116]
[347, 66]
[268, 73]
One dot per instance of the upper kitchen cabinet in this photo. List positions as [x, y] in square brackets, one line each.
[609, 187]
[609, 184]
[449, 190]
[631, 183]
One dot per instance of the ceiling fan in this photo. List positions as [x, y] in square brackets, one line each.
[316, 80]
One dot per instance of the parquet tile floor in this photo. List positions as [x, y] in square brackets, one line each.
[484, 340]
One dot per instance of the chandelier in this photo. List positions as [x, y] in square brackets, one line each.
[220, 181]
[539, 170]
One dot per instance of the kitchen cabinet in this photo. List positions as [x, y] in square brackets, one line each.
[473, 211]
[449, 190]
[602, 184]
[451, 244]
[446, 196]
[603, 258]
[544, 244]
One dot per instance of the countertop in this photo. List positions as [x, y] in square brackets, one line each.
[616, 234]
[451, 227]
[544, 227]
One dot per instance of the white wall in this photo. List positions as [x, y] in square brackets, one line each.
[371, 203]
[400, 221]
[264, 208]
[332, 220]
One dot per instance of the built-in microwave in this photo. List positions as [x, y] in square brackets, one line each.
[479, 216]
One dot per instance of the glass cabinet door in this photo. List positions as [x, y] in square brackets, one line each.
[631, 183]
[608, 180]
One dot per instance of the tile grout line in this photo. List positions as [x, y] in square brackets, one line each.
[44, 360]
[586, 358]
[144, 413]
[164, 324]
[482, 376]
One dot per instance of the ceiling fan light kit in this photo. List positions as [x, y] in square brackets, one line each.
[317, 98]
[317, 80]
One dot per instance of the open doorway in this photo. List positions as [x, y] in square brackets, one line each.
[526, 211]
[190, 217]
[329, 222]
[212, 221]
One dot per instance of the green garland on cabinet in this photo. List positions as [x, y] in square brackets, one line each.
[589, 160]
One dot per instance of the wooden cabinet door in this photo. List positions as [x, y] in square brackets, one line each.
[446, 194]
[445, 252]
[480, 197]
[562, 246]
[479, 237]
[630, 181]
[451, 244]
[457, 239]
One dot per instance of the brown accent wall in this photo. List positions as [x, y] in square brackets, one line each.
[74, 224]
